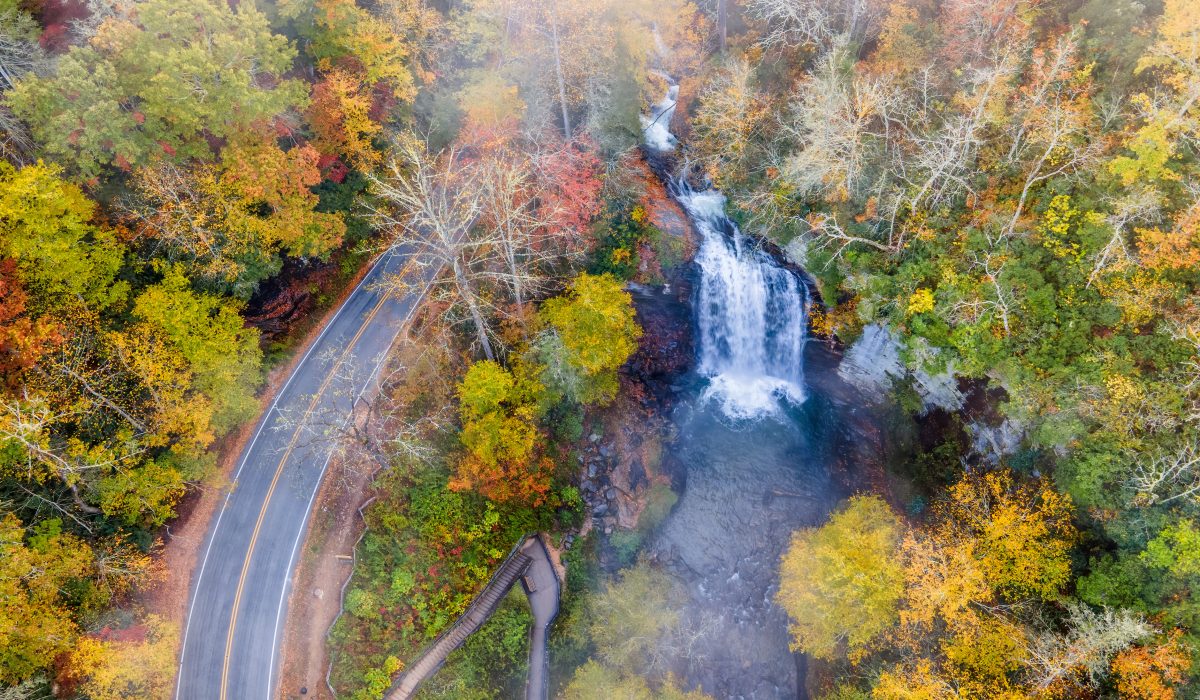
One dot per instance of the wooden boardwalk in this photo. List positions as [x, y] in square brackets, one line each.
[528, 563]
[478, 613]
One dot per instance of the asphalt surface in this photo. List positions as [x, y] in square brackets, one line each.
[239, 592]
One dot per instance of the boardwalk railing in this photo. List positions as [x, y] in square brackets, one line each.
[505, 577]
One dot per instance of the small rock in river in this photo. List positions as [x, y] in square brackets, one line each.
[611, 494]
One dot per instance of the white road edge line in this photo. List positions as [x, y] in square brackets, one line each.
[246, 455]
[283, 593]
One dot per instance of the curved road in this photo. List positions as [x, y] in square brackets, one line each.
[239, 594]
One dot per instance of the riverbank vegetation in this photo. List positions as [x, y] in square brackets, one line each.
[1010, 188]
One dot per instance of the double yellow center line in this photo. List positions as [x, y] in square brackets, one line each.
[237, 599]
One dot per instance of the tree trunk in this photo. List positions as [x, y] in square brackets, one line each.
[722, 23]
[464, 290]
[511, 256]
[562, 85]
[90, 510]
[105, 400]
[514, 270]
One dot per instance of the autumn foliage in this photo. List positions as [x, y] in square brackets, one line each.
[498, 412]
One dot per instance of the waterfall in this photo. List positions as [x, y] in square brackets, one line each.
[751, 312]
[751, 315]
[656, 128]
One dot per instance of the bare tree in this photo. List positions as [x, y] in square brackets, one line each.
[510, 213]
[32, 689]
[936, 155]
[826, 232]
[564, 44]
[20, 55]
[818, 22]
[722, 24]
[1143, 204]
[1054, 134]
[989, 264]
[1169, 476]
[976, 27]
[558, 69]
[484, 220]
[430, 206]
[893, 144]
[1082, 653]
[29, 421]
[19, 50]
[833, 120]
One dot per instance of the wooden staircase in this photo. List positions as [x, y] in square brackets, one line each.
[477, 613]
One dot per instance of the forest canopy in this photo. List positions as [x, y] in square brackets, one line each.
[1008, 191]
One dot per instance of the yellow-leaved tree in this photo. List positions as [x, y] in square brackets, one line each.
[138, 662]
[35, 622]
[595, 332]
[499, 410]
[1022, 532]
[841, 583]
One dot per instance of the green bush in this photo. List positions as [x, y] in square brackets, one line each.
[625, 544]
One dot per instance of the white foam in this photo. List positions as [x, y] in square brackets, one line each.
[752, 314]
[656, 127]
[742, 397]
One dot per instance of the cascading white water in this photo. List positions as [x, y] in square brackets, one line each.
[751, 312]
[656, 128]
[751, 315]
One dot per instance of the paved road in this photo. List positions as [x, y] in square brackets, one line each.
[239, 595]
